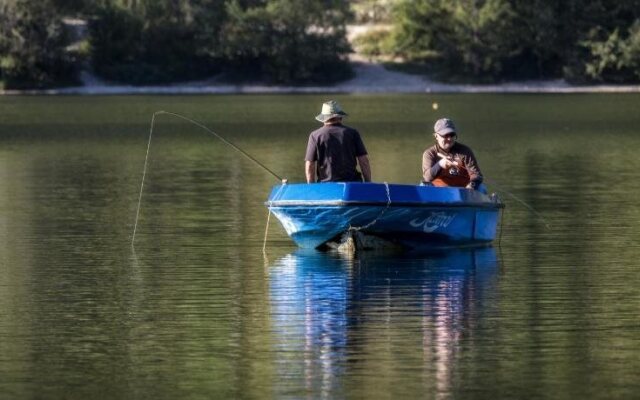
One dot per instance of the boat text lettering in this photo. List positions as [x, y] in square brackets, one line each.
[437, 219]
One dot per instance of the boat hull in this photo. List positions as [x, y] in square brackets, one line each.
[407, 215]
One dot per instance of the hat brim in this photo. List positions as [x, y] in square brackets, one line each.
[445, 131]
[326, 117]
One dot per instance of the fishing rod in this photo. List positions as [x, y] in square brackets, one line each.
[524, 203]
[144, 170]
[493, 182]
[244, 153]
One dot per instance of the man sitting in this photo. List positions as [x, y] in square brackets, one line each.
[448, 163]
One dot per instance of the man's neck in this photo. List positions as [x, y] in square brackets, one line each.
[440, 149]
[335, 121]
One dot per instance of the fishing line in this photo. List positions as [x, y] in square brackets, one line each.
[501, 224]
[146, 158]
[546, 223]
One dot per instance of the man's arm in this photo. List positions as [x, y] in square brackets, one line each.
[475, 175]
[430, 166]
[365, 167]
[434, 162]
[310, 171]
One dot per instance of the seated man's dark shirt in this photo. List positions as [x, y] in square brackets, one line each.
[335, 148]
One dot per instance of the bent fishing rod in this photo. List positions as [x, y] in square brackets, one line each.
[198, 124]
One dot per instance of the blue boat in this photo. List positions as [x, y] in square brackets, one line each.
[318, 215]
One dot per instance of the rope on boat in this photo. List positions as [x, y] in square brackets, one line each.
[358, 228]
[266, 229]
[266, 232]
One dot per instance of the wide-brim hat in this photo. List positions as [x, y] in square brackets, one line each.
[444, 126]
[330, 109]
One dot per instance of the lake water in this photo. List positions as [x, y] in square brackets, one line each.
[197, 311]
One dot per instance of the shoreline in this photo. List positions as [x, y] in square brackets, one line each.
[370, 78]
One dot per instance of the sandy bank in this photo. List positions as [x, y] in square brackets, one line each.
[369, 78]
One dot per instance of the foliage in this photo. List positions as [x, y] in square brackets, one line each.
[149, 41]
[72, 7]
[288, 41]
[299, 41]
[209, 17]
[32, 46]
[374, 43]
[489, 40]
[372, 11]
[284, 41]
[482, 37]
[557, 33]
[465, 38]
[542, 38]
[606, 47]
[613, 57]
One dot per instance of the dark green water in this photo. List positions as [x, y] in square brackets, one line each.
[198, 312]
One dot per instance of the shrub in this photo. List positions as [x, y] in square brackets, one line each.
[471, 41]
[152, 43]
[33, 46]
[613, 57]
[374, 43]
[288, 41]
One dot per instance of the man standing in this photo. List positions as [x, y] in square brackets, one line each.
[448, 163]
[334, 150]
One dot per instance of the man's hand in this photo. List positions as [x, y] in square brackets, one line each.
[446, 163]
[365, 167]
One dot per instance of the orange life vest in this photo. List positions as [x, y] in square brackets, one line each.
[454, 176]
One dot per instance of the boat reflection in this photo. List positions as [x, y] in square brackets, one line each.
[332, 314]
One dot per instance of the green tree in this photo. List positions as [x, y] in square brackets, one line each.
[73, 7]
[288, 41]
[421, 27]
[483, 37]
[33, 44]
[486, 40]
[470, 38]
[209, 17]
[543, 39]
[372, 11]
[603, 37]
[154, 41]
[613, 57]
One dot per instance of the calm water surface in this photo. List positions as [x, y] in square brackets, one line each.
[198, 312]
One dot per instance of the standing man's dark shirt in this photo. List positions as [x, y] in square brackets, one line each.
[335, 149]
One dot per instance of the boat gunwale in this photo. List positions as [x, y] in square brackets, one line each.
[342, 203]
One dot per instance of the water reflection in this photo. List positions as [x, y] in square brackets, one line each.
[334, 316]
